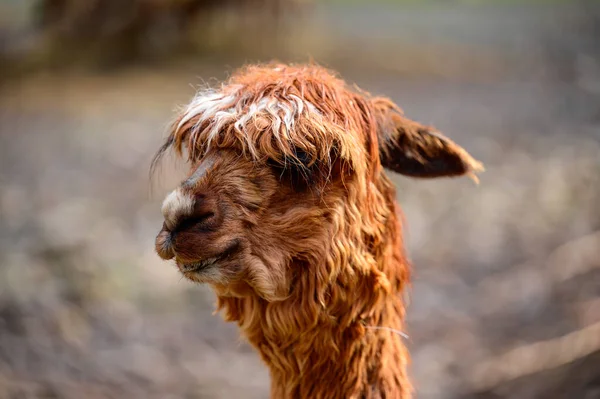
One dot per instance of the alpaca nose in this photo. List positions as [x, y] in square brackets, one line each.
[201, 216]
[206, 218]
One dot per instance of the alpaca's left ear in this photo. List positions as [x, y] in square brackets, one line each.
[415, 150]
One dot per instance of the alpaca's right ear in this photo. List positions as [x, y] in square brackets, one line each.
[415, 150]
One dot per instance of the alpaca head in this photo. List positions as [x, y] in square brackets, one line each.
[286, 168]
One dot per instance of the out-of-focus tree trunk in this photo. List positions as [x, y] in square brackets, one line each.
[123, 30]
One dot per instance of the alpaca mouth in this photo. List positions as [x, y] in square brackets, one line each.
[208, 262]
[198, 266]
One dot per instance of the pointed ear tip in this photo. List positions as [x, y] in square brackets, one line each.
[474, 167]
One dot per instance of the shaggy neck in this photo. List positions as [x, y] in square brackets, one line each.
[351, 347]
[361, 360]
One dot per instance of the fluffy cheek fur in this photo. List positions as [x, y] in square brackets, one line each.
[278, 243]
[288, 232]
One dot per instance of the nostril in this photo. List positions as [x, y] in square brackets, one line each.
[204, 221]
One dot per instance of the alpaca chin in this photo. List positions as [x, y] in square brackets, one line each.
[210, 275]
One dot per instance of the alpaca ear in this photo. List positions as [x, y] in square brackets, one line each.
[415, 150]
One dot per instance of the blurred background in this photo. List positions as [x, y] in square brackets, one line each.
[505, 301]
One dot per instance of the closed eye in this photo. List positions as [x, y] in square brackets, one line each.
[302, 157]
[298, 176]
[295, 170]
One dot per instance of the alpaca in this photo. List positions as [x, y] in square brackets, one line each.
[287, 213]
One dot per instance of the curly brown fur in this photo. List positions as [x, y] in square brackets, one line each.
[288, 214]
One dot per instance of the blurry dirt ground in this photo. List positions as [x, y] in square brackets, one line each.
[505, 272]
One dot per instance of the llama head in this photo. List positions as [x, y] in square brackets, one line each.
[286, 172]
